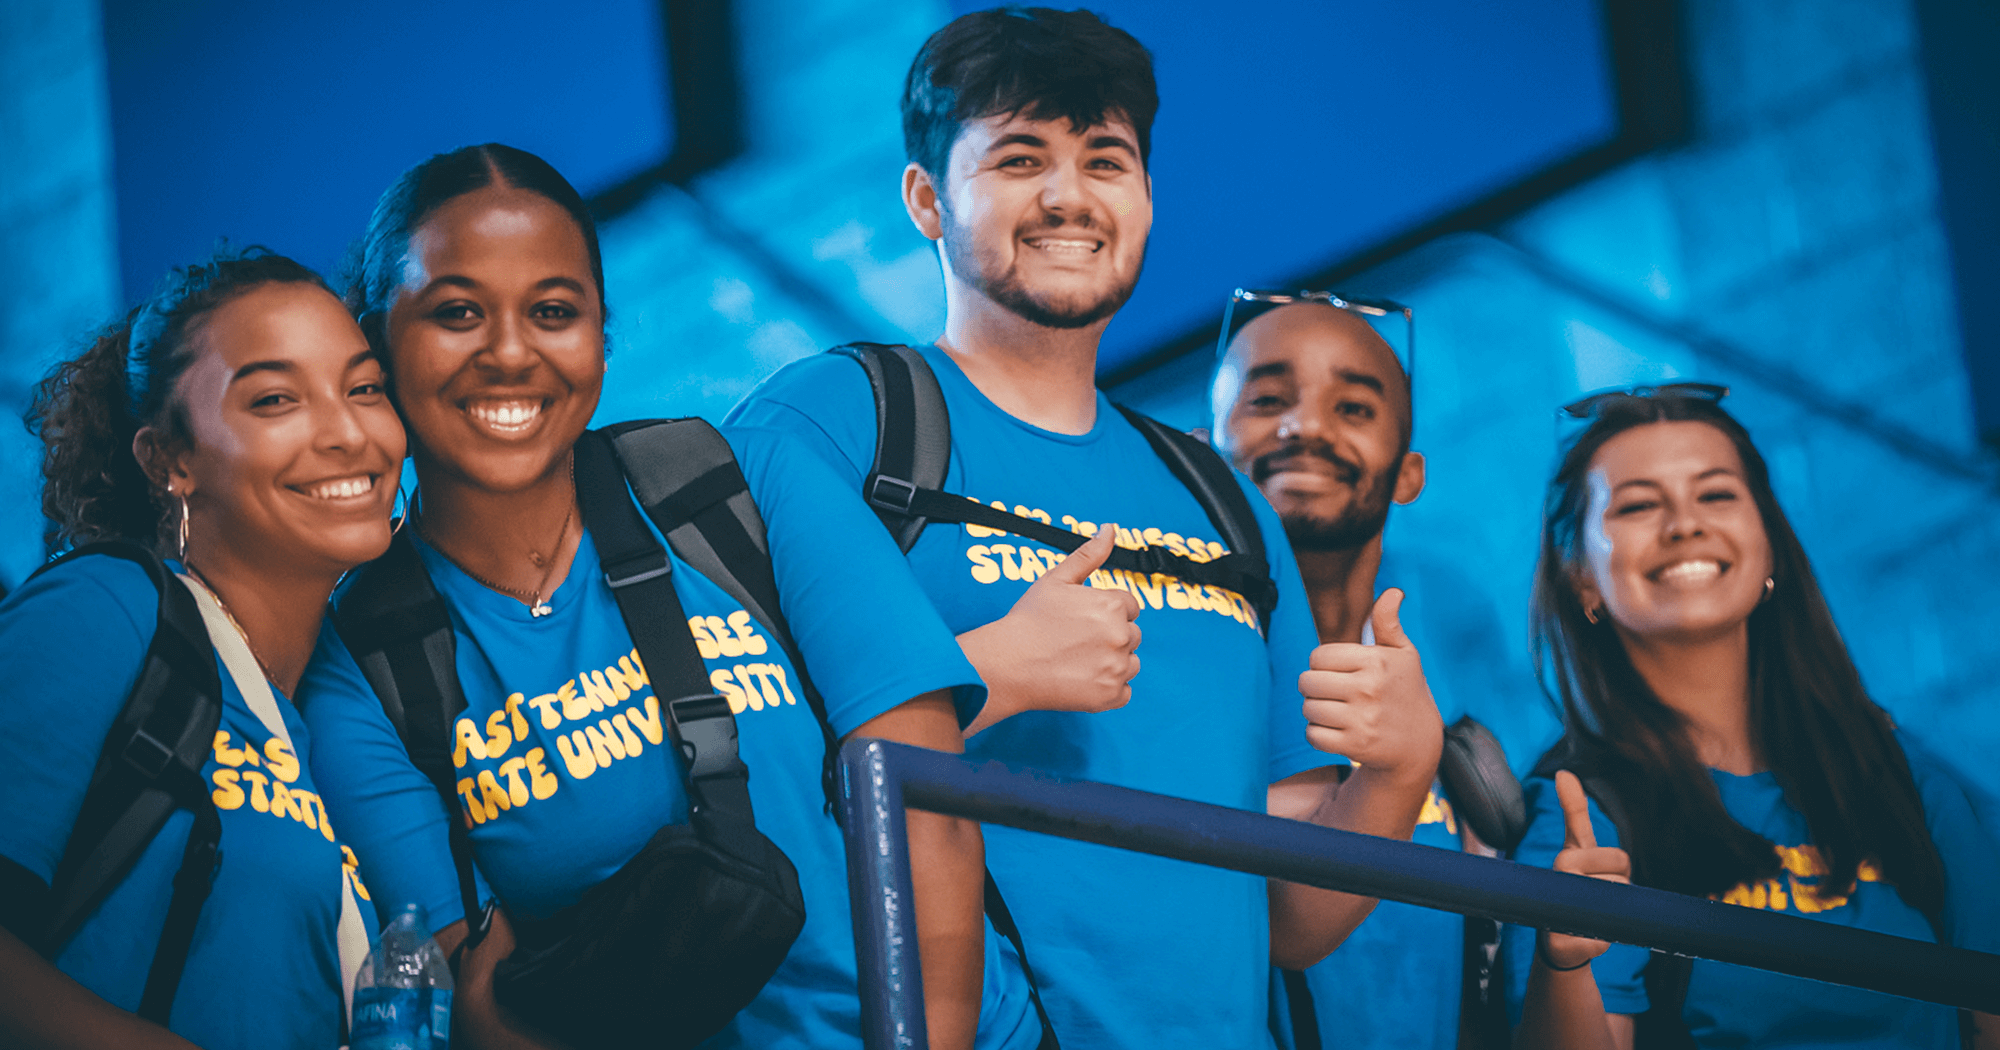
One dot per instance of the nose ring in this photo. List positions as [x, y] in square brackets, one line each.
[1288, 427]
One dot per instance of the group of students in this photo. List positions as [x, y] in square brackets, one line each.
[480, 699]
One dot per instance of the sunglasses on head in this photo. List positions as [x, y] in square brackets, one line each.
[1246, 305]
[1589, 406]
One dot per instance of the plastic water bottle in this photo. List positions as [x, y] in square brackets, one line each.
[402, 997]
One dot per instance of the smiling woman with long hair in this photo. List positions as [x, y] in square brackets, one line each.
[236, 423]
[1712, 711]
[480, 282]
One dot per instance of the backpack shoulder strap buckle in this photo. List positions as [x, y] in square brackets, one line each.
[891, 494]
[146, 755]
[637, 570]
[705, 729]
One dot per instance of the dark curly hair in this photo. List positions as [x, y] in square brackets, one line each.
[1833, 750]
[375, 265]
[89, 408]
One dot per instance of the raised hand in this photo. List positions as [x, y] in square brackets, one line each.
[1371, 702]
[1581, 855]
[1064, 646]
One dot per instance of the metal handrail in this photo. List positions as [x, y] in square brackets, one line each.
[880, 780]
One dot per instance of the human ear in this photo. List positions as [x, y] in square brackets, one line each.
[163, 465]
[1587, 594]
[1410, 480]
[920, 200]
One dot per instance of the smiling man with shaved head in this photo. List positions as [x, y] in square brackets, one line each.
[1313, 404]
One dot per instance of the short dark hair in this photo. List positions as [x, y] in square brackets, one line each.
[1833, 750]
[375, 269]
[1036, 61]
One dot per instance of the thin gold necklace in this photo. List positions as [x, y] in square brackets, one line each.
[234, 622]
[537, 599]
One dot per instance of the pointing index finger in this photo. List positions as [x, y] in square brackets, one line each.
[1577, 832]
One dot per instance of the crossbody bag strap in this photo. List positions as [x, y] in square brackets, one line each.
[687, 480]
[351, 936]
[640, 575]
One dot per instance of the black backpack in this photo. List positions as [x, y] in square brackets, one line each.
[913, 453]
[151, 766]
[669, 948]
[905, 487]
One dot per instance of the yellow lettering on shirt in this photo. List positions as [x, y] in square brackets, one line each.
[576, 755]
[282, 763]
[225, 754]
[703, 641]
[227, 795]
[499, 736]
[541, 782]
[545, 705]
[350, 869]
[724, 682]
[746, 634]
[470, 744]
[259, 801]
[517, 789]
[984, 568]
[646, 719]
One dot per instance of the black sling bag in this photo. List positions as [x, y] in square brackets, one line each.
[670, 947]
[151, 766]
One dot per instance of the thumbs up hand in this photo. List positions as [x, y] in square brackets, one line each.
[1371, 702]
[1064, 646]
[1581, 855]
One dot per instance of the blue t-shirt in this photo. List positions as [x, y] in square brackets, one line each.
[1737, 1006]
[564, 772]
[264, 968]
[1394, 982]
[1131, 950]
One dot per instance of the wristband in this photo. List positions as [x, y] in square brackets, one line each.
[1542, 955]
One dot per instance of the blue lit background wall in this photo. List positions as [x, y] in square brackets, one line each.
[1802, 245]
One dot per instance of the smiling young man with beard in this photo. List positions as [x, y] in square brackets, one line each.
[1028, 133]
[1312, 403]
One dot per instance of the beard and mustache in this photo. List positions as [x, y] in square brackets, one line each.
[1357, 523]
[982, 270]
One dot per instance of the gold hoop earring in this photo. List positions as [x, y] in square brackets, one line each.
[1590, 613]
[1770, 588]
[397, 521]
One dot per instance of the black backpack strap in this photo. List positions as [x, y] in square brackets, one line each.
[906, 505]
[1662, 1026]
[1300, 1009]
[151, 766]
[687, 480]
[396, 626]
[1003, 924]
[912, 432]
[640, 575]
[1213, 484]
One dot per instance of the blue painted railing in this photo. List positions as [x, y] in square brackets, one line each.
[880, 780]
